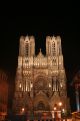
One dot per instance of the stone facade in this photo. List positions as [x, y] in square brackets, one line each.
[3, 95]
[40, 83]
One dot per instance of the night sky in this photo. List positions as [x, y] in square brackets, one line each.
[11, 28]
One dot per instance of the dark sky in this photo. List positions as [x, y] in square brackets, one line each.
[11, 28]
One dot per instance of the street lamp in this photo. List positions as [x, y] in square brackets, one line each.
[54, 112]
[60, 110]
[57, 111]
[55, 108]
[60, 104]
[63, 110]
[22, 109]
[23, 116]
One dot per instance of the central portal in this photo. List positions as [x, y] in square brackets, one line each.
[41, 99]
[41, 106]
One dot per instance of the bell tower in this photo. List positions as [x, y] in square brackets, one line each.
[23, 80]
[27, 46]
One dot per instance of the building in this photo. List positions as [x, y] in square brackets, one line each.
[40, 85]
[3, 95]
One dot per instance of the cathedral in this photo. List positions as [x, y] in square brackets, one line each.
[40, 83]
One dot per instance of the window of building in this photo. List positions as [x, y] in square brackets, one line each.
[53, 48]
[27, 48]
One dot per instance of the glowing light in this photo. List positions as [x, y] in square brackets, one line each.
[55, 108]
[22, 109]
[63, 110]
[60, 103]
[20, 85]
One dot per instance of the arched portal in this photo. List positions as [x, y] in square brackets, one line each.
[41, 106]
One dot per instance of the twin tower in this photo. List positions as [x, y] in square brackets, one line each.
[40, 84]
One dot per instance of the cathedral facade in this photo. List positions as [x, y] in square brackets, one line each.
[40, 84]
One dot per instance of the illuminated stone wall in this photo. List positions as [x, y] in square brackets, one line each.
[40, 82]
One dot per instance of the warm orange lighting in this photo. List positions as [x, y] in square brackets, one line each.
[60, 103]
[33, 67]
[63, 110]
[20, 85]
[55, 108]
[22, 109]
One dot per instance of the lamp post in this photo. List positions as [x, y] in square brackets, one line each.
[23, 116]
[54, 113]
[60, 110]
[22, 110]
[57, 112]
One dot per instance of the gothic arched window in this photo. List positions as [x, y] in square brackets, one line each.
[53, 48]
[26, 48]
